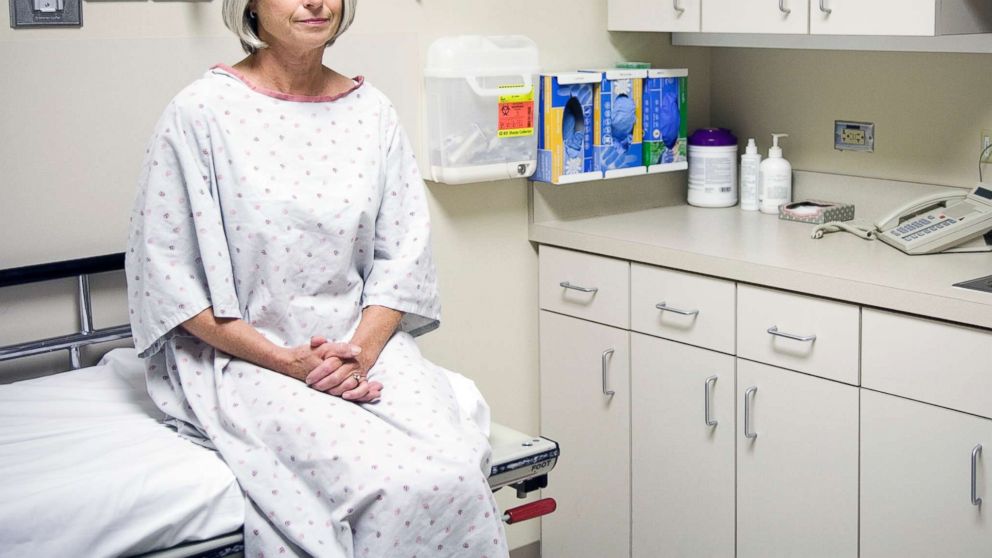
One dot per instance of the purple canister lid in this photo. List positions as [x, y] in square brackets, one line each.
[712, 137]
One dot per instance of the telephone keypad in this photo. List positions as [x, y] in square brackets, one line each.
[923, 227]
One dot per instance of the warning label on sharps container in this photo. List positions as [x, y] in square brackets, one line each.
[516, 113]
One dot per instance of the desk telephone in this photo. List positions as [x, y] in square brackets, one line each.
[931, 224]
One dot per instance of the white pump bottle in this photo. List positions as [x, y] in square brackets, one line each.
[775, 186]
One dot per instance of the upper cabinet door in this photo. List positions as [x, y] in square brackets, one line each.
[873, 17]
[653, 15]
[756, 16]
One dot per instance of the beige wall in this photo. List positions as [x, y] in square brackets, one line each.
[77, 106]
[928, 109]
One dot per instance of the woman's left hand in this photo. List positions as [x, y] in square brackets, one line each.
[345, 378]
[364, 391]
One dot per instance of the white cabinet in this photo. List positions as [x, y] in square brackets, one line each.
[585, 285]
[924, 18]
[877, 17]
[803, 333]
[580, 362]
[682, 463]
[916, 480]
[683, 307]
[653, 15]
[899, 17]
[756, 16]
[797, 465]
[940, 363]
[737, 426]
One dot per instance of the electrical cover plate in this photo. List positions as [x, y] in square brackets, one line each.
[44, 13]
[854, 136]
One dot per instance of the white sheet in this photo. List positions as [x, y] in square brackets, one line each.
[70, 441]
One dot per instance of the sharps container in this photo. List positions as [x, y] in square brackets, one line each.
[712, 168]
[480, 108]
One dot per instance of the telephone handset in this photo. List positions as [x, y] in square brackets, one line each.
[915, 207]
[931, 224]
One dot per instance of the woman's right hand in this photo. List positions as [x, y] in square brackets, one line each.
[303, 360]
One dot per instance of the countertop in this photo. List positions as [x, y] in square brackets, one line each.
[751, 247]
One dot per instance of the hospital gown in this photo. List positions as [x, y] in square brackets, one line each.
[294, 214]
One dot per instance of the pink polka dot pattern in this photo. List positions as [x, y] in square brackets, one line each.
[294, 216]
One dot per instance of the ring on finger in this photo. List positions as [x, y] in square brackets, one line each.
[358, 378]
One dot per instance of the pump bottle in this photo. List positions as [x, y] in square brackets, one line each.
[750, 171]
[775, 183]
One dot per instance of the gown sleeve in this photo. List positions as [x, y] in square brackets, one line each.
[402, 276]
[177, 261]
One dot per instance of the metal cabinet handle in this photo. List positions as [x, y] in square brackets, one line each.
[665, 308]
[782, 8]
[774, 331]
[824, 8]
[678, 7]
[975, 454]
[748, 401]
[568, 285]
[707, 395]
[605, 358]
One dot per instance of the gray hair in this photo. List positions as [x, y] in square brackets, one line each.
[238, 20]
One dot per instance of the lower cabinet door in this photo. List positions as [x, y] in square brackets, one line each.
[919, 464]
[797, 465]
[682, 461]
[580, 361]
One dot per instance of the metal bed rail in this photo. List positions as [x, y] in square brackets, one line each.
[81, 269]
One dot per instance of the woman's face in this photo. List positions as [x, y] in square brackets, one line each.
[297, 23]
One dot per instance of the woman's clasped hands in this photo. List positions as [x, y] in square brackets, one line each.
[334, 368]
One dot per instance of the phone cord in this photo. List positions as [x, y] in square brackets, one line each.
[835, 226]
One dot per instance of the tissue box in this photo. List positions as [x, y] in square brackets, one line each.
[618, 133]
[665, 120]
[816, 211]
[565, 128]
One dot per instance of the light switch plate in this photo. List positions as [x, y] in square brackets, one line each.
[45, 13]
[854, 136]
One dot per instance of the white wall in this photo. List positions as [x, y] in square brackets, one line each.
[77, 106]
[928, 108]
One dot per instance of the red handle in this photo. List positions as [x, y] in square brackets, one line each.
[541, 507]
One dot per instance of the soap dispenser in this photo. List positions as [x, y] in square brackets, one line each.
[775, 178]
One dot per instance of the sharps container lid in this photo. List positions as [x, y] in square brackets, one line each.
[712, 137]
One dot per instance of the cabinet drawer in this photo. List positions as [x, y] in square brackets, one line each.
[929, 361]
[696, 310]
[596, 288]
[807, 334]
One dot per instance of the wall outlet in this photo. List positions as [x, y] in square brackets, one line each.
[986, 141]
[854, 136]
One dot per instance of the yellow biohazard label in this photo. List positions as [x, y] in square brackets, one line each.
[516, 113]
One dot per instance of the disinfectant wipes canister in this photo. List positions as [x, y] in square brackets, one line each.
[712, 168]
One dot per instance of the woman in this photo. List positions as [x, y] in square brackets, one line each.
[280, 207]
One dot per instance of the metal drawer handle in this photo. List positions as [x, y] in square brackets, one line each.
[678, 7]
[666, 308]
[568, 285]
[748, 401]
[782, 8]
[824, 8]
[975, 454]
[707, 395]
[774, 331]
[606, 357]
